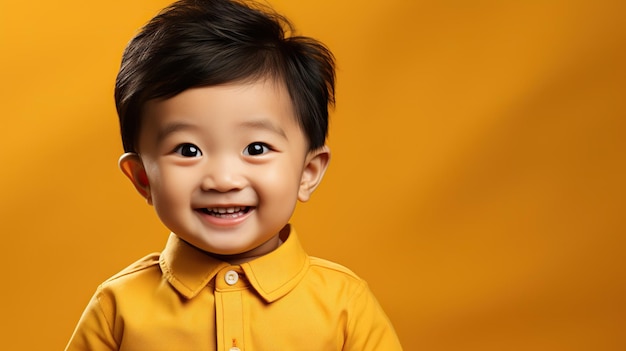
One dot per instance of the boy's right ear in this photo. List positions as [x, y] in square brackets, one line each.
[131, 165]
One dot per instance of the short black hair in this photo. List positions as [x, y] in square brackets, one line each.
[195, 43]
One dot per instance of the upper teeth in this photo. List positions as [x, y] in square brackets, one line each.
[225, 209]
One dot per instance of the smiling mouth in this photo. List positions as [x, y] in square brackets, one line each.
[226, 212]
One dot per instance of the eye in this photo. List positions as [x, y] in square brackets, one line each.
[188, 150]
[256, 149]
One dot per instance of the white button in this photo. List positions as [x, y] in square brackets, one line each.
[231, 278]
[234, 348]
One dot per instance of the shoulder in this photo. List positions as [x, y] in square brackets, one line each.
[124, 291]
[140, 272]
[331, 274]
[333, 268]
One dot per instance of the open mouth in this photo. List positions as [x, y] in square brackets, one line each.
[226, 212]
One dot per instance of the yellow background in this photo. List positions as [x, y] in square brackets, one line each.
[477, 179]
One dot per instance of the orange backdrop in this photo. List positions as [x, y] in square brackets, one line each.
[477, 179]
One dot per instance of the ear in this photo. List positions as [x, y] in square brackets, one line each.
[131, 165]
[315, 166]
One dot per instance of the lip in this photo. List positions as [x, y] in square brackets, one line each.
[223, 217]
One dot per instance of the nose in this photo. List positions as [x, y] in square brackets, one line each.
[223, 175]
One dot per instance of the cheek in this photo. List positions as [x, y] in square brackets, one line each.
[171, 198]
[167, 186]
[278, 183]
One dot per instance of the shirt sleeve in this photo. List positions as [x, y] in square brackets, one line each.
[369, 329]
[93, 331]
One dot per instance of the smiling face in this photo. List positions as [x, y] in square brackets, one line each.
[225, 165]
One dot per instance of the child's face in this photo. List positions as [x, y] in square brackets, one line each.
[225, 165]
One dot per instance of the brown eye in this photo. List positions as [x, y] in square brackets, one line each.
[256, 149]
[188, 150]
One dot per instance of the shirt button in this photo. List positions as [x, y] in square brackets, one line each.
[231, 278]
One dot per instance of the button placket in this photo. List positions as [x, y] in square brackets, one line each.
[230, 286]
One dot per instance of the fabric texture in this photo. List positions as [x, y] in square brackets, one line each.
[183, 299]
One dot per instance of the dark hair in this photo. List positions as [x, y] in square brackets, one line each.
[194, 43]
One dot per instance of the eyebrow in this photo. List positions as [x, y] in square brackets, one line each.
[265, 125]
[172, 128]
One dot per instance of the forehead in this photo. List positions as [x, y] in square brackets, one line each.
[262, 104]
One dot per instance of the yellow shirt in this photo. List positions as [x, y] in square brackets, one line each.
[184, 299]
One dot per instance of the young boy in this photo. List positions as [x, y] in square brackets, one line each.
[224, 121]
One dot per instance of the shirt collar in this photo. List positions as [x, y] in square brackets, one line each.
[273, 276]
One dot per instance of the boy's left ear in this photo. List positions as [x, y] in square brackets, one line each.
[314, 168]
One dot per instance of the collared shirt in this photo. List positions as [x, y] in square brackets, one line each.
[184, 299]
